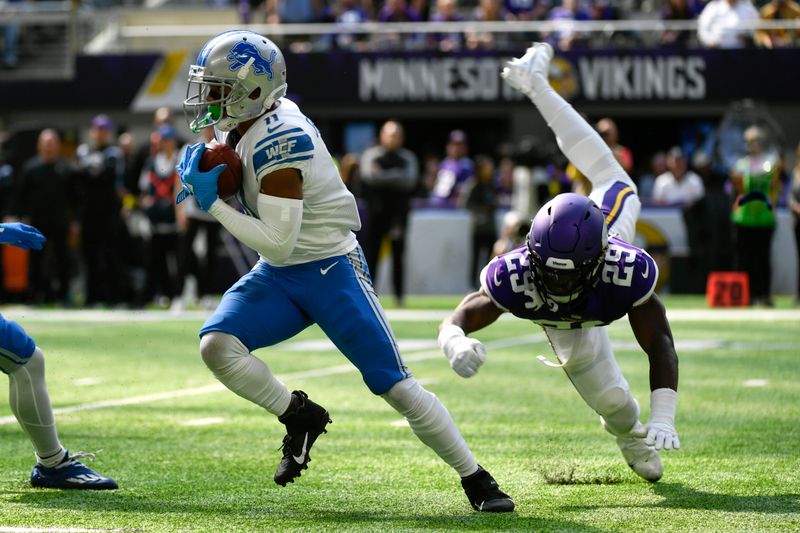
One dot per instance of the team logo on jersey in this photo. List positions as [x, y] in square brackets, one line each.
[243, 51]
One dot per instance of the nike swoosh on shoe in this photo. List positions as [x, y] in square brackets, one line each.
[300, 459]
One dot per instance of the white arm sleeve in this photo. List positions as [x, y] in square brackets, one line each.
[273, 234]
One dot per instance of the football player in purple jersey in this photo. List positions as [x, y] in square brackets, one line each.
[575, 274]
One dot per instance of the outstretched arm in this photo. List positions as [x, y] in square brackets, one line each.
[21, 235]
[476, 311]
[652, 331]
[466, 355]
[651, 328]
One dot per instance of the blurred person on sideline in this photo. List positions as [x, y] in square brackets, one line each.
[777, 10]
[794, 205]
[349, 14]
[134, 229]
[158, 184]
[523, 10]
[566, 38]
[446, 11]
[481, 200]
[488, 11]
[398, 11]
[23, 362]
[46, 198]
[193, 221]
[679, 10]
[716, 242]
[609, 132]
[389, 175]
[101, 168]
[512, 234]
[647, 181]
[756, 181]
[454, 171]
[678, 185]
[718, 24]
[10, 31]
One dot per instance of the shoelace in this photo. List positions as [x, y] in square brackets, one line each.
[73, 458]
[285, 445]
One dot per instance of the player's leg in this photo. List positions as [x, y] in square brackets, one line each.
[28, 396]
[254, 313]
[344, 304]
[582, 145]
[590, 365]
[30, 403]
[621, 206]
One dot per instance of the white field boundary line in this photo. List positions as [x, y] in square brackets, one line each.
[304, 374]
[7, 529]
[24, 314]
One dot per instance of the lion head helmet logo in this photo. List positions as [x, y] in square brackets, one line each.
[243, 51]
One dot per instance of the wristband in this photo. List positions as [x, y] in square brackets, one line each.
[449, 332]
[663, 403]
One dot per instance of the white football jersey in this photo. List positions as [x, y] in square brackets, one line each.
[286, 138]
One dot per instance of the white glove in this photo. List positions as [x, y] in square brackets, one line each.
[528, 74]
[466, 355]
[661, 431]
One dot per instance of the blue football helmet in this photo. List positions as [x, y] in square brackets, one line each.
[237, 77]
[567, 244]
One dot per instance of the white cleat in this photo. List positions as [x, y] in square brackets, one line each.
[643, 459]
[529, 73]
[537, 59]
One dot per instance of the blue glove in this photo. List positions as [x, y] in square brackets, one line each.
[203, 185]
[21, 235]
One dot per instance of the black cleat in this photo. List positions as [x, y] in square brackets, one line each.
[304, 423]
[484, 493]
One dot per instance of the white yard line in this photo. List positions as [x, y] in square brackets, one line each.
[7, 529]
[304, 374]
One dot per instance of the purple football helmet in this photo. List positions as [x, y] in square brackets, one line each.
[567, 244]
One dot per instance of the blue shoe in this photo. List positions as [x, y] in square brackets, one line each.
[71, 474]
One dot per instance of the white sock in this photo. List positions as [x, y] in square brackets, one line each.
[432, 424]
[582, 145]
[30, 403]
[243, 373]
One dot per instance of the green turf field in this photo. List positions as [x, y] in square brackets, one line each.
[191, 456]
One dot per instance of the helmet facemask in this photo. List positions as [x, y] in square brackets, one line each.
[567, 246]
[560, 282]
[213, 101]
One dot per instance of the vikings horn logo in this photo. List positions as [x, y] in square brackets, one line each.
[242, 52]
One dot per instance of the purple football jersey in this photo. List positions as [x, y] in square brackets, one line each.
[627, 279]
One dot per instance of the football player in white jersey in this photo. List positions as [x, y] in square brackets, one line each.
[568, 296]
[23, 362]
[300, 218]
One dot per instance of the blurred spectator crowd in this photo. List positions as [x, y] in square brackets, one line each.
[107, 208]
[116, 238]
[719, 23]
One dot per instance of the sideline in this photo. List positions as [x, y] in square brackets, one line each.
[24, 314]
